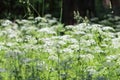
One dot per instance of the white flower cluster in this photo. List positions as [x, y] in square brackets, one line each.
[87, 57]
[83, 45]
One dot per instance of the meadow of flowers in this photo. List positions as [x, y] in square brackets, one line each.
[44, 49]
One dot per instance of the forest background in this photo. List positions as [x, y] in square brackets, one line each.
[61, 9]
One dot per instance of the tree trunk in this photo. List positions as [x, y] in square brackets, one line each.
[107, 4]
[68, 8]
[116, 7]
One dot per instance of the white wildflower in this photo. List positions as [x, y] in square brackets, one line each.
[10, 44]
[91, 70]
[107, 28]
[86, 57]
[49, 44]
[73, 41]
[24, 28]
[48, 50]
[116, 42]
[38, 18]
[67, 50]
[62, 42]
[79, 33]
[65, 37]
[88, 42]
[24, 21]
[97, 49]
[41, 65]
[69, 27]
[53, 57]
[74, 47]
[111, 57]
[89, 36]
[47, 30]
[6, 23]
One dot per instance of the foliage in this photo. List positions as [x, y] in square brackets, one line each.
[109, 20]
[43, 49]
[12, 9]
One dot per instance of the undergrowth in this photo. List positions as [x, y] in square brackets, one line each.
[43, 49]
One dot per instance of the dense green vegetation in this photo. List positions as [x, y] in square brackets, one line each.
[44, 49]
[34, 45]
[109, 20]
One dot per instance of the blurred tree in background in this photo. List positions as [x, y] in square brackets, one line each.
[62, 9]
[25, 8]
